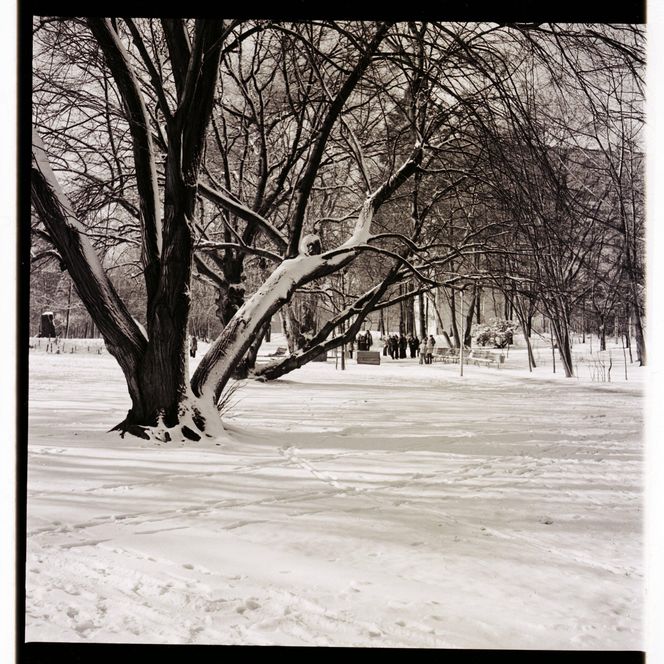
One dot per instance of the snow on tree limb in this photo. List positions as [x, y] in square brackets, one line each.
[68, 235]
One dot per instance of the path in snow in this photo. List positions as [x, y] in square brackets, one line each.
[397, 505]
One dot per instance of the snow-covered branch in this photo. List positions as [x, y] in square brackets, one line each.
[228, 202]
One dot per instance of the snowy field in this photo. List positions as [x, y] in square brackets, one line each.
[393, 505]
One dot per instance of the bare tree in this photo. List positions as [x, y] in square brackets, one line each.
[264, 159]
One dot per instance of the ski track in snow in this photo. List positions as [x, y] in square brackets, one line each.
[397, 506]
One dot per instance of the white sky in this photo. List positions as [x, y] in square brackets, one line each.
[655, 182]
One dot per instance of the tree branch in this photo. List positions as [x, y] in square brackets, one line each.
[143, 149]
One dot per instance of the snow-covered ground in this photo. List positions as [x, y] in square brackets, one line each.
[393, 505]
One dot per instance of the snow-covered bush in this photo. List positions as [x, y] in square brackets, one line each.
[497, 333]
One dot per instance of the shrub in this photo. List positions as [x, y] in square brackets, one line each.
[497, 333]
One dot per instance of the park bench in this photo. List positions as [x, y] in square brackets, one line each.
[486, 357]
[446, 355]
[368, 357]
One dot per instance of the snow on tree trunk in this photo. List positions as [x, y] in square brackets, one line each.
[320, 343]
[229, 348]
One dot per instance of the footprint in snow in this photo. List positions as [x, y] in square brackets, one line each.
[248, 605]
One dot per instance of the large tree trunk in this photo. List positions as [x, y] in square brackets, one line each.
[155, 365]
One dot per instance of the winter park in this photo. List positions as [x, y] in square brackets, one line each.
[337, 334]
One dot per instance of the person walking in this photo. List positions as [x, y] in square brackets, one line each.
[193, 347]
[431, 342]
[394, 347]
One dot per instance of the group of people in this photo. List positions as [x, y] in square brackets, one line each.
[396, 346]
[364, 340]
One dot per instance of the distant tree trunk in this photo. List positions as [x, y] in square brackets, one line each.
[583, 321]
[602, 332]
[525, 321]
[468, 332]
[639, 335]
[455, 327]
[290, 328]
[410, 311]
[66, 335]
[628, 333]
[563, 340]
[421, 312]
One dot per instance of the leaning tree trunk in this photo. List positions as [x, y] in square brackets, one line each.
[217, 364]
[321, 343]
[248, 362]
[228, 349]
